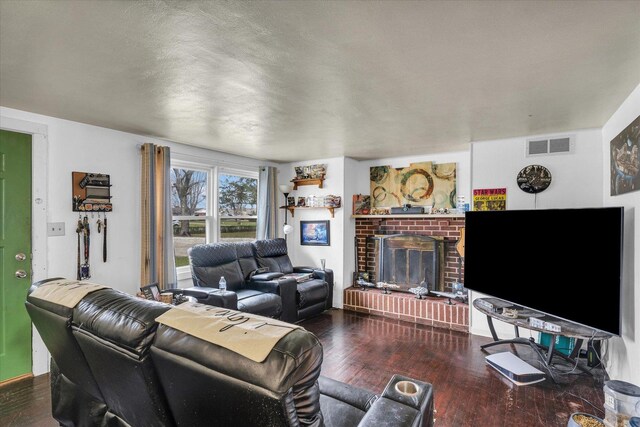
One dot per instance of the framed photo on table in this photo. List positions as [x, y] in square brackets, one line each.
[151, 292]
[315, 233]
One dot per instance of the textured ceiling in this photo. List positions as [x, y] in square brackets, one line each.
[303, 80]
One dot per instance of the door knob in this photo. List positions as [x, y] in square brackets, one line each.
[21, 274]
[20, 256]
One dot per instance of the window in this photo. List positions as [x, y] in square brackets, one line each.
[237, 206]
[211, 204]
[192, 218]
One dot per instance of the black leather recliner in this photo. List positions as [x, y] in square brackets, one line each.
[235, 262]
[75, 395]
[150, 375]
[119, 356]
[268, 293]
[312, 296]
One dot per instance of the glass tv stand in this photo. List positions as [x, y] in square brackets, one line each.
[519, 317]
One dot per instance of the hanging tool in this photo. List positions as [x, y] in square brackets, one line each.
[85, 271]
[79, 230]
[104, 240]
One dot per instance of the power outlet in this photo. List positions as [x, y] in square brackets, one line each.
[55, 229]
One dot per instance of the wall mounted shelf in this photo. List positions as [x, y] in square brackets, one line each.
[91, 192]
[293, 208]
[307, 181]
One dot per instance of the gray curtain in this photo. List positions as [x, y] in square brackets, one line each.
[157, 257]
[267, 223]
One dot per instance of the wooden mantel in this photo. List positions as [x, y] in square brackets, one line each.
[427, 216]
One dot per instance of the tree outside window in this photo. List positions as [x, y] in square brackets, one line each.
[200, 216]
[237, 207]
[189, 208]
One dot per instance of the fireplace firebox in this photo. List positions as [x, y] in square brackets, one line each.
[407, 260]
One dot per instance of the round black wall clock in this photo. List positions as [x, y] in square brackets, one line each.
[534, 179]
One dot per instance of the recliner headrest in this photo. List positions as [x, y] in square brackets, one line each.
[270, 247]
[120, 318]
[245, 250]
[212, 254]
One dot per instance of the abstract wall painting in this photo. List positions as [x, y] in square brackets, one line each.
[419, 184]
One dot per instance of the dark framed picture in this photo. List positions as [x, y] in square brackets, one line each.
[315, 233]
[151, 292]
[625, 160]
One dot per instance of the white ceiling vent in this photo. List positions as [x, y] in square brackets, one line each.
[547, 146]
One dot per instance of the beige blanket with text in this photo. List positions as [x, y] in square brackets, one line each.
[247, 334]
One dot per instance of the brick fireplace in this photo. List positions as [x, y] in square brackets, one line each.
[401, 305]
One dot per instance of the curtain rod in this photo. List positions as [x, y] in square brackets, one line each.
[215, 162]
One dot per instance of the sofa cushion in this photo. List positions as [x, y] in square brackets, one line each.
[337, 413]
[211, 261]
[256, 302]
[272, 253]
[311, 292]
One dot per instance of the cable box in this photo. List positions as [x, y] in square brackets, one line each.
[515, 369]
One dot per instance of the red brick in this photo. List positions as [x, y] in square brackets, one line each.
[406, 318]
[427, 322]
[442, 325]
[448, 314]
[412, 307]
[459, 328]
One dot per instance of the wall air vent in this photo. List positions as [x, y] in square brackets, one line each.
[550, 146]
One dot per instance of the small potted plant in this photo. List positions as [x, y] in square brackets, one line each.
[581, 419]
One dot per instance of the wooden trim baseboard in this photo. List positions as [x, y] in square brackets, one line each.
[16, 379]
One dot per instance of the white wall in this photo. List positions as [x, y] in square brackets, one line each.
[75, 146]
[576, 182]
[351, 175]
[461, 158]
[311, 255]
[624, 352]
[79, 147]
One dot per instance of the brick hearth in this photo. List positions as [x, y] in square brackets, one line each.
[404, 306]
[399, 305]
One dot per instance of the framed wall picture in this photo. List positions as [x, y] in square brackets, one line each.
[315, 233]
[625, 160]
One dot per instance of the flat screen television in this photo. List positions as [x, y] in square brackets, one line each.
[563, 262]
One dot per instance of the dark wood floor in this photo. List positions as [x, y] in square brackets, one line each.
[367, 350]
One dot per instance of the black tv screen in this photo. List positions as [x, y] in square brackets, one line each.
[563, 262]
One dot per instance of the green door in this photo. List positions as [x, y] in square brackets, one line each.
[15, 254]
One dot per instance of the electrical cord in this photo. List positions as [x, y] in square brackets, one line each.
[575, 366]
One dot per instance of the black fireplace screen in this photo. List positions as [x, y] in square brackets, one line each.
[407, 260]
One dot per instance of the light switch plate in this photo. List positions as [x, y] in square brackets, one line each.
[55, 229]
